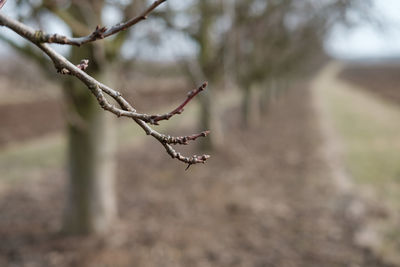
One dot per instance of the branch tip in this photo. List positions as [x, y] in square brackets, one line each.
[154, 119]
[100, 90]
[206, 133]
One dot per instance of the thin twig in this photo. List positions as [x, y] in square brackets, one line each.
[98, 33]
[152, 119]
[156, 118]
[98, 89]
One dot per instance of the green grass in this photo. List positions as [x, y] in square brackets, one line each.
[370, 131]
[30, 159]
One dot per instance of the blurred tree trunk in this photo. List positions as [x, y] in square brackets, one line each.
[265, 98]
[91, 204]
[268, 94]
[251, 109]
[246, 106]
[208, 118]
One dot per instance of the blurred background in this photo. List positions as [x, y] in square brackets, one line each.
[303, 104]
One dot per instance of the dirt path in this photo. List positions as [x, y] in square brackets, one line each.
[266, 199]
[366, 157]
[332, 147]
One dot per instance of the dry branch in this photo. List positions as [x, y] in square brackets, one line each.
[100, 90]
[99, 33]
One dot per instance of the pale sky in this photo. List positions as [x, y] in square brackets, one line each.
[369, 41]
[364, 41]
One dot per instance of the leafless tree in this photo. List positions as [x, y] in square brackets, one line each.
[278, 40]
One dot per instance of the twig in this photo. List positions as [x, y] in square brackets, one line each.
[98, 89]
[183, 140]
[98, 33]
[156, 118]
[151, 119]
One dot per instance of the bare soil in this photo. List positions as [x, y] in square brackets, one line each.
[380, 79]
[23, 121]
[265, 199]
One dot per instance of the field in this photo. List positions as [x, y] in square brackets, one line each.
[268, 197]
[381, 79]
[365, 107]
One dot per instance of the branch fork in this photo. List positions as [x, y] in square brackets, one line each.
[99, 90]
[99, 33]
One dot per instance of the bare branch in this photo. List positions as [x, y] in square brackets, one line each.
[151, 119]
[156, 118]
[98, 33]
[183, 140]
[99, 90]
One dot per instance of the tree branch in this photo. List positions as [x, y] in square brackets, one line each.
[98, 33]
[154, 119]
[99, 90]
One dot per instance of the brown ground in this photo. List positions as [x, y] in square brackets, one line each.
[381, 79]
[36, 118]
[265, 199]
[21, 122]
